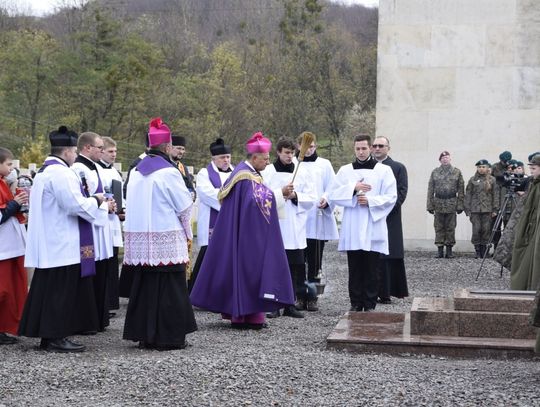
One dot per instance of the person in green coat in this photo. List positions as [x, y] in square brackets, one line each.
[525, 272]
[526, 256]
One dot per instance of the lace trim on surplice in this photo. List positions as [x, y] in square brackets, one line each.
[154, 248]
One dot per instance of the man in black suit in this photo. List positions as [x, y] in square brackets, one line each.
[391, 269]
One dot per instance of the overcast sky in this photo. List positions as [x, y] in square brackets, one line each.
[39, 7]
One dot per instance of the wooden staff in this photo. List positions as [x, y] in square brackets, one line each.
[307, 139]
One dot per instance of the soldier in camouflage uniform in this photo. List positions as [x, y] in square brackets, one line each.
[444, 200]
[481, 205]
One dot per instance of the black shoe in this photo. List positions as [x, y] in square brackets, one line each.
[300, 305]
[63, 345]
[449, 254]
[355, 308]
[369, 309]
[292, 312]
[87, 333]
[256, 327]
[5, 339]
[440, 252]
[312, 306]
[274, 314]
[384, 300]
[239, 325]
[162, 348]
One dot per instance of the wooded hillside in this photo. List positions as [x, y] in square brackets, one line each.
[208, 67]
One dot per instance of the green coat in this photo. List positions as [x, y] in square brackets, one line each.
[446, 190]
[525, 273]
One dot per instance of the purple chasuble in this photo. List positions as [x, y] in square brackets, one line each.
[86, 236]
[215, 180]
[245, 269]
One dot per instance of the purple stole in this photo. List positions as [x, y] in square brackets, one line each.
[86, 236]
[215, 180]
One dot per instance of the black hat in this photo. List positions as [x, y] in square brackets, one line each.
[482, 162]
[219, 147]
[63, 137]
[512, 163]
[505, 156]
[179, 141]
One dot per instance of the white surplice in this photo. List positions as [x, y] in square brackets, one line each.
[103, 242]
[321, 223]
[108, 175]
[364, 227]
[208, 200]
[56, 202]
[13, 238]
[293, 221]
[158, 218]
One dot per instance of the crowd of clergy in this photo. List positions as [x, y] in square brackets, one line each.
[261, 231]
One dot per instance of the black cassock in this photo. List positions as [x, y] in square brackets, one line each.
[392, 277]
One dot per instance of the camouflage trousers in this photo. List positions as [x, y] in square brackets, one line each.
[481, 228]
[445, 228]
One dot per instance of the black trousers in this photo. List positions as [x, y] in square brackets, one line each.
[363, 287]
[101, 280]
[112, 283]
[196, 268]
[314, 252]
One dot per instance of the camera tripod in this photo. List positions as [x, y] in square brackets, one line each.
[510, 196]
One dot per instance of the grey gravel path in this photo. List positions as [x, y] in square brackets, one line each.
[285, 365]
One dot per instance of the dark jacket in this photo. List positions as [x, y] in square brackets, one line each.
[393, 220]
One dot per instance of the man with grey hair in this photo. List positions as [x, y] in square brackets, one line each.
[157, 231]
[391, 269]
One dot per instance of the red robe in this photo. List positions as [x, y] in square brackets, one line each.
[13, 278]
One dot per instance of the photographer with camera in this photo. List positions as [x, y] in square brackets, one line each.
[507, 183]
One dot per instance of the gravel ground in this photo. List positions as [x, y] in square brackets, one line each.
[285, 365]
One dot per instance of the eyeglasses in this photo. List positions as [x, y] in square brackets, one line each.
[379, 145]
[98, 147]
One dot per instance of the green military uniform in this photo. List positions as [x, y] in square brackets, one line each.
[481, 202]
[445, 198]
[525, 272]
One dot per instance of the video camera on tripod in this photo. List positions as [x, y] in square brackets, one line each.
[513, 181]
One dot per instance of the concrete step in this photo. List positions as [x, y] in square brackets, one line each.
[381, 332]
[438, 316]
[493, 300]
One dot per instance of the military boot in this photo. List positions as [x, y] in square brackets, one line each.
[440, 252]
[449, 254]
[478, 250]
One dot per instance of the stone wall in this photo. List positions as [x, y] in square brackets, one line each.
[456, 75]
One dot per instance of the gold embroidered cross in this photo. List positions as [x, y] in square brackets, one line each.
[87, 252]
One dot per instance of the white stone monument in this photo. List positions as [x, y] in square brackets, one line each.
[456, 75]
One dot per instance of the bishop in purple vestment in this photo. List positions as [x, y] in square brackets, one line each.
[245, 272]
